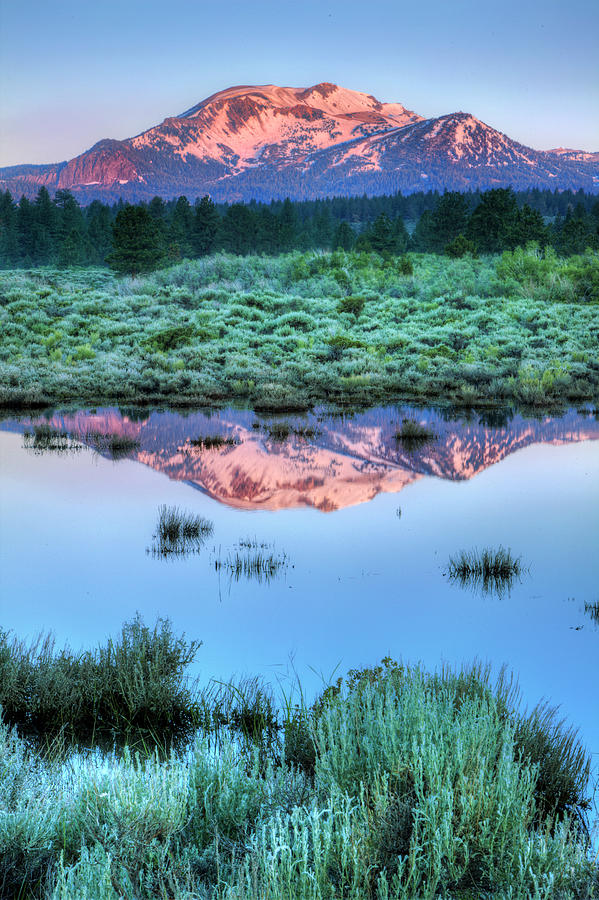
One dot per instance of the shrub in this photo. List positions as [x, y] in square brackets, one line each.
[135, 683]
[352, 305]
[461, 246]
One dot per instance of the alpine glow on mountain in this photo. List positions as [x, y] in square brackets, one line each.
[269, 142]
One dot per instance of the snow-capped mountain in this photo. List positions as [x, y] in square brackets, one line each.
[269, 141]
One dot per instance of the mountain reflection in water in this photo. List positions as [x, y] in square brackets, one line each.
[335, 461]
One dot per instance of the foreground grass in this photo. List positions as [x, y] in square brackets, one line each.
[299, 329]
[395, 783]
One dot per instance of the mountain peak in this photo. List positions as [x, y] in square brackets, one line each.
[268, 141]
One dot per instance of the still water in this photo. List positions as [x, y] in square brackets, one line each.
[367, 523]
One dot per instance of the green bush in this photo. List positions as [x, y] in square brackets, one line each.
[395, 783]
[265, 330]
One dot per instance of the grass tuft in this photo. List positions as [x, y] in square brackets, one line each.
[179, 533]
[44, 439]
[254, 560]
[117, 446]
[213, 441]
[491, 570]
[592, 610]
[413, 434]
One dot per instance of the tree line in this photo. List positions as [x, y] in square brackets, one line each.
[57, 231]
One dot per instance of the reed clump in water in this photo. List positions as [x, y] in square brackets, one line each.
[213, 441]
[592, 610]
[487, 569]
[254, 560]
[280, 431]
[179, 533]
[45, 439]
[413, 434]
[117, 446]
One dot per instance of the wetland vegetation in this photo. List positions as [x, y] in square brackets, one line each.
[252, 559]
[522, 327]
[375, 789]
[179, 533]
[489, 570]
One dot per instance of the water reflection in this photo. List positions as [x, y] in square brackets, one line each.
[320, 461]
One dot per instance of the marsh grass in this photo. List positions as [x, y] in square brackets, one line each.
[254, 560]
[395, 784]
[491, 571]
[414, 434]
[213, 441]
[280, 431]
[45, 439]
[117, 446]
[592, 610]
[134, 685]
[179, 533]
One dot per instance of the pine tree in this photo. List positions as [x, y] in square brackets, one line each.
[179, 235]
[99, 232]
[529, 226]
[136, 242]
[45, 228]
[9, 246]
[345, 237]
[72, 250]
[239, 229]
[205, 227]
[25, 232]
[493, 222]
[448, 219]
[287, 226]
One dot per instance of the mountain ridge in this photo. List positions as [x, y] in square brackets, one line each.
[267, 142]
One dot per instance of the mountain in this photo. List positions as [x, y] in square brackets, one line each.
[347, 461]
[271, 142]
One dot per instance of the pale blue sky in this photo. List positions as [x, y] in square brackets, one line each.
[74, 72]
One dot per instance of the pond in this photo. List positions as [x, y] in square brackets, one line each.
[361, 525]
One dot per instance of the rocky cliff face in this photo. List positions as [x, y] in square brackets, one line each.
[268, 141]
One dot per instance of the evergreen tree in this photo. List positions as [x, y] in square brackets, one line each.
[323, 229]
[70, 217]
[99, 232]
[9, 244]
[448, 219]
[529, 226]
[422, 239]
[179, 238]
[493, 222]
[382, 235]
[239, 229]
[72, 250]
[345, 237]
[287, 226]
[26, 232]
[157, 209]
[576, 236]
[45, 228]
[402, 238]
[268, 234]
[136, 242]
[205, 227]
